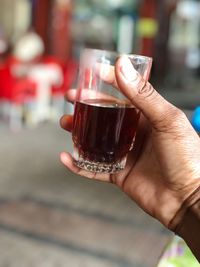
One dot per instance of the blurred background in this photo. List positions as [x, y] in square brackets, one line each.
[48, 216]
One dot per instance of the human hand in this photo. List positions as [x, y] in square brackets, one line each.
[163, 169]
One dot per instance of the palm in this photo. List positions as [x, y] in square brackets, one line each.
[142, 173]
[154, 171]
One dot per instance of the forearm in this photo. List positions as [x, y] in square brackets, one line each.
[186, 223]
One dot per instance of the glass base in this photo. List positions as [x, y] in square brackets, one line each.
[100, 167]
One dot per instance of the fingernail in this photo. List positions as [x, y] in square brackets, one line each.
[63, 157]
[127, 69]
[104, 71]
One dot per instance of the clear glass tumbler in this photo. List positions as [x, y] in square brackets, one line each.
[105, 122]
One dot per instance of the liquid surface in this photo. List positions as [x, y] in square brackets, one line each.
[103, 130]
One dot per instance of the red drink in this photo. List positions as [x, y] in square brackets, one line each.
[103, 130]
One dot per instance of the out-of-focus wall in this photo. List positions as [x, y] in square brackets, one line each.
[15, 17]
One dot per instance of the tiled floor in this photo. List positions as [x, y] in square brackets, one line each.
[52, 218]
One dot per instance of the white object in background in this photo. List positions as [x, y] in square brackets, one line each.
[28, 47]
[125, 34]
[193, 58]
[15, 117]
[69, 108]
[115, 3]
[20, 22]
[45, 77]
[188, 9]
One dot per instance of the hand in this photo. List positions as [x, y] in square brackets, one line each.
[163, 169]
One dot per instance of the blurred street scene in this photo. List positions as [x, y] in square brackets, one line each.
[48, 216]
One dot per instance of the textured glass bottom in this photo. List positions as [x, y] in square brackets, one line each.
[101, 167]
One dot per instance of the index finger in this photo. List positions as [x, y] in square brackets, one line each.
[66, 122]
[106, 73]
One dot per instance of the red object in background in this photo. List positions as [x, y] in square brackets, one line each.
[60, 33]
[13, 90]
[20, 90]
[40, 20]
[69, 75]
[52, 20]
[89, 79]
[148, 10]
[24, 91]
[49, 59]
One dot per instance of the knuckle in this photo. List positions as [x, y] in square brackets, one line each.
[175, 116]
[140, 84]
[146, 90]
[172, 121]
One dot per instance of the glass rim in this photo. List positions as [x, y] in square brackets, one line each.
[117, 54]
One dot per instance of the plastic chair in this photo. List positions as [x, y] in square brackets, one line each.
[58, 92]
[16, 96]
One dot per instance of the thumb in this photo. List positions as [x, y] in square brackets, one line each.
[142, 94]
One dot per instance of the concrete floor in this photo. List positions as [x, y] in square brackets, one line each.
[52, 218]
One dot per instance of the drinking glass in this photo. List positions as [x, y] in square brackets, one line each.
[105, 122]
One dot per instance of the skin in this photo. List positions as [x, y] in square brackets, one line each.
[163, 169]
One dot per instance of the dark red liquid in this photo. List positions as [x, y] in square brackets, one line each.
[103, 131]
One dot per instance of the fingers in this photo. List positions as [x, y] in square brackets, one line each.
[142, 94]
[71, 95]
[66, 122]
[67, 160]
[106, 73]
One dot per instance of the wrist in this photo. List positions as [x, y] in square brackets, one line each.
[187, 204]
[186, 222]
[169, 207]
[175, 203]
